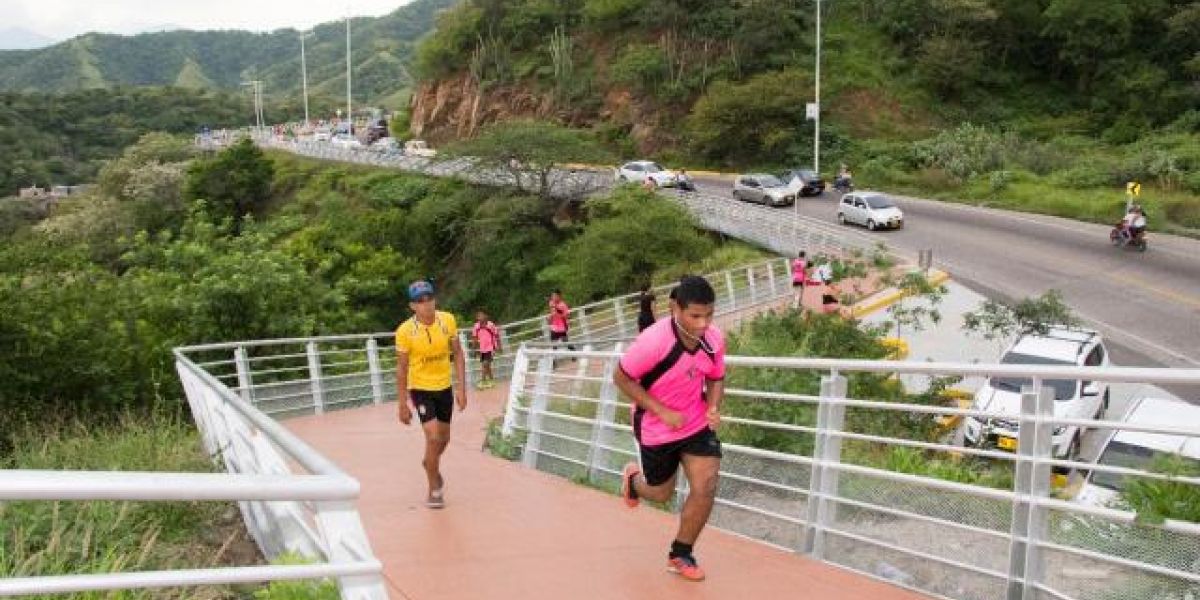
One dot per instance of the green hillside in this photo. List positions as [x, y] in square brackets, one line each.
[223, 59]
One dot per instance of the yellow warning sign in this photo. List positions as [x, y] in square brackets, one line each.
[1133, 188]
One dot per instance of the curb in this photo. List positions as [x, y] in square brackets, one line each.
[889, 297]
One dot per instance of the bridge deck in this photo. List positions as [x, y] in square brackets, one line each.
[511, 532]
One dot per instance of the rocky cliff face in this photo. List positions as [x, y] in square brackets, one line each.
[450, 109]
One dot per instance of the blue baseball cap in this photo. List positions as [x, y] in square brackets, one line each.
[420, 288]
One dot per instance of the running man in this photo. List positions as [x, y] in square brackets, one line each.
[558, 318]
[487, 336]
[424, 346]
[674, 374]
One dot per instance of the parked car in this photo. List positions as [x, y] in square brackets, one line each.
[419, 148]
[322, 135]
[638, 170]
[763, 188]
[1073, 399]
[871, 210]
[1137, 450]
[803, 182]
[385, 145]
[342, 140]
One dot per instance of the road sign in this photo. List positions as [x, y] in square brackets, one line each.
[1133, 188]
[810, 111]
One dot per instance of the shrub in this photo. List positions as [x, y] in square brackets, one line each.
[967, 151]
[640, 66]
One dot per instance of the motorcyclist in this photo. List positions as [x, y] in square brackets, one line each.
[1134, 223]
[844, 179]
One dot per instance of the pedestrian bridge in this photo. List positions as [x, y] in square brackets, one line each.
[826, 490]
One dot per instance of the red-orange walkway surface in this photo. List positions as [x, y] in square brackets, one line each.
[511, 532]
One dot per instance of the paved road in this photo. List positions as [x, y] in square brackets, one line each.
[1147, 304]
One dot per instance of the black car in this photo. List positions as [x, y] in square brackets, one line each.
[805, 181]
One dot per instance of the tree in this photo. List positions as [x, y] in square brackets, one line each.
[532, 156]
[1031, 316]
[916, 285]
[235, 183]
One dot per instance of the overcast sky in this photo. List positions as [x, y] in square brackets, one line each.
[62, 19]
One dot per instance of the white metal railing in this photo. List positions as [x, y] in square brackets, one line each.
[807, 469]
[292, 499]
[287, 377]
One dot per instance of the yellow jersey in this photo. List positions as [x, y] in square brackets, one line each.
[428, 350]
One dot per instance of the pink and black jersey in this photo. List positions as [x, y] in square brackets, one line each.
[799, 266]
[674, 376]
[487, 335]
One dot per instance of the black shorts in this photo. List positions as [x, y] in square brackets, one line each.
[645, 321]
[659, 463]
[558, 336]
[485, 357]
[798, 284]
[432, 405]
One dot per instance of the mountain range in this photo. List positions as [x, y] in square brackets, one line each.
[381, 49]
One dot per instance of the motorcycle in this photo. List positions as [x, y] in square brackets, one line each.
[1119, 238]
[843, 184]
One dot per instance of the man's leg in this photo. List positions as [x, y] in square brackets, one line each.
[701, 473]
[437, 436]
[658, 493]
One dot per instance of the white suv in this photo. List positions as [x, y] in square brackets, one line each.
[1073, 399]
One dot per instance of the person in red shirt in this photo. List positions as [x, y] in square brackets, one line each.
[559, 318]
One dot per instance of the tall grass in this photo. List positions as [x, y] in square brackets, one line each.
[53, 538]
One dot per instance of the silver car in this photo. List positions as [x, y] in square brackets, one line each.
[762, 188]
[871, 210]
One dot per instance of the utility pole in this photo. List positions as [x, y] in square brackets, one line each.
[304, 74]
[256, 87]
[349, 108]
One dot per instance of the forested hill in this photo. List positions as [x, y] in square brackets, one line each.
[224, 59]
[727, 81]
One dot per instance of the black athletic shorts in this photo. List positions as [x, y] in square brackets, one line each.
[798, 284]
[660, 462]
[432, 405]
[558, 336]
[485, 357]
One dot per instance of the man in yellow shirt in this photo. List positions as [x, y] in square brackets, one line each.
[424, 346]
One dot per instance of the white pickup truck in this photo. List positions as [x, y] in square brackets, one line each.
[419, 148]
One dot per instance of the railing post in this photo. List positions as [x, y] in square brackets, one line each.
[827, 454]
[581, 369]
[314, 377]
[516, 385]
[753, 285]
[537, 405]
[619, 317]
[605, 417]
[729, 289]
[1031, 483]
[585, 324]
[771, 279]
[471, 362]
[345, 541]
[245, 384]
[376, 373]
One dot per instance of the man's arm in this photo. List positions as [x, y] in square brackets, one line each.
[643, 399]
[460, 373]
[402, 387]
[714, 395]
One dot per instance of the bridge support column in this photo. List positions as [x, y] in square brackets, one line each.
[376, 374]
[314, 378]
[827, 455]
[1031, 482]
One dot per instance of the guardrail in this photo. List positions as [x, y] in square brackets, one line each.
[779, 230]
[292, 499]
[290, 377]
[811, 469]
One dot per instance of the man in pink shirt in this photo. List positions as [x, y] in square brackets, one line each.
[487, 337]
[559, 312]
[799, 276]
[674, 374]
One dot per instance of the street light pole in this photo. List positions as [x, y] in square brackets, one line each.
[817, 117]
[349, 112]
[304, 74]
[256, 87]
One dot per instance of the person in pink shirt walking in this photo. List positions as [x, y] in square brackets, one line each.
[487, 337]
[799, 277]
[558, 318]
[674, 373]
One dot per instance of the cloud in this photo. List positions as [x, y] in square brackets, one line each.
[67, 18]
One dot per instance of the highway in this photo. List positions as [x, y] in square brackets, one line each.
[1146, 304]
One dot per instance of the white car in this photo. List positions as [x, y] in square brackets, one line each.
[342, 140]
[762, 188]
[322, 135]
[1137, 450]
[638, 170]
[872, 210]
[1073, 399]
[419, 148]
[385, 145]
